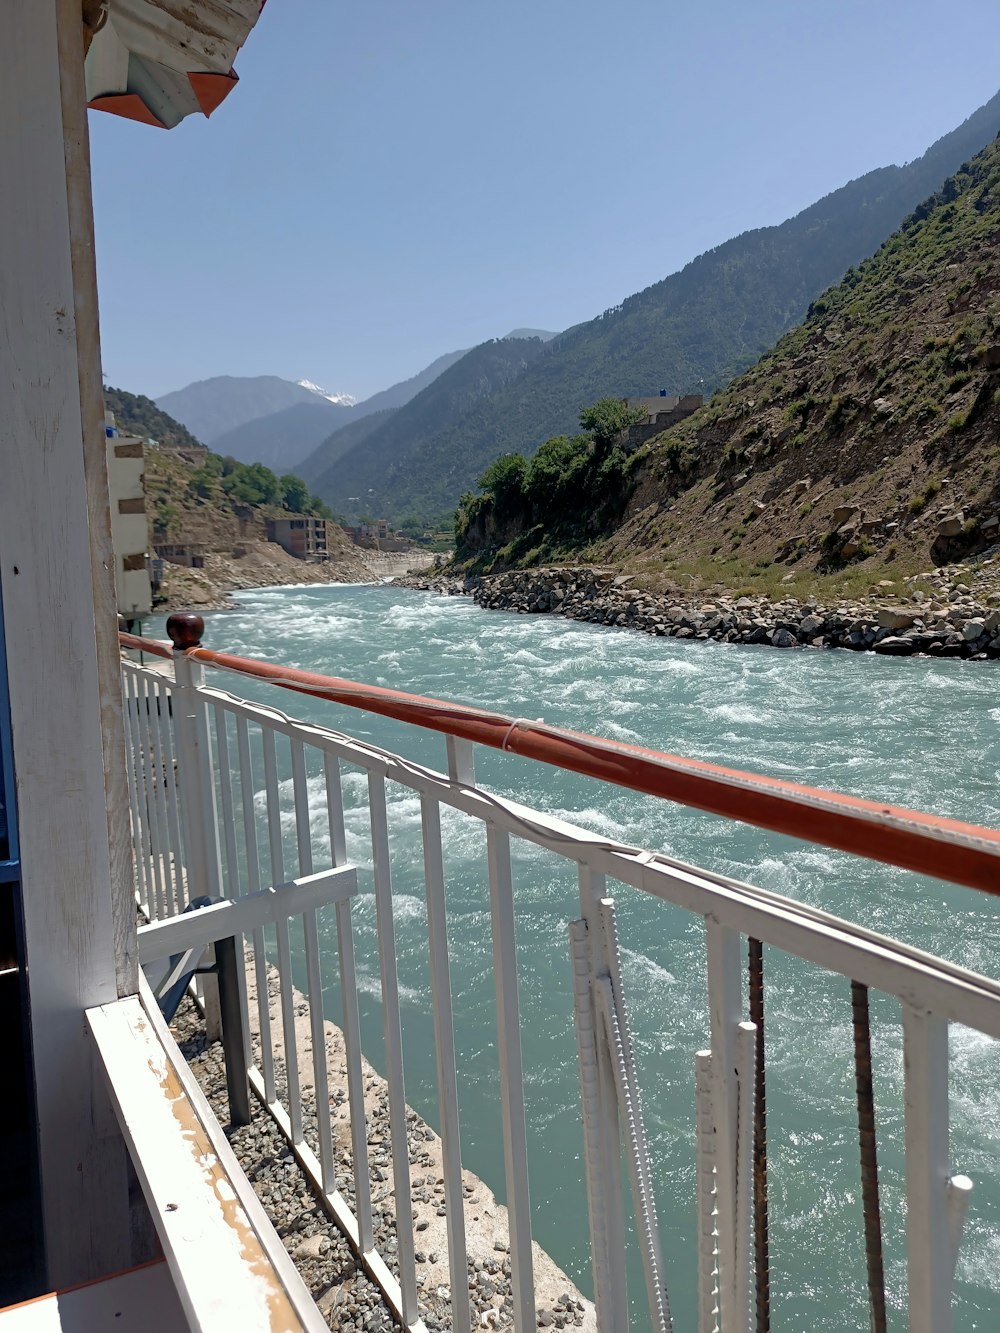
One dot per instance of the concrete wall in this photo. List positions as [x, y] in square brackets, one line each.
[129, 535]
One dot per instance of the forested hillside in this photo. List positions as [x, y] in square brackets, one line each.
[691, 332]
[136, 415]
[378, 474]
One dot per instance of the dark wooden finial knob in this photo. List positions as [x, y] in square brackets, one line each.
[185, 629]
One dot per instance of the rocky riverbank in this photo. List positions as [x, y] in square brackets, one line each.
[953, 611]
[260, 564]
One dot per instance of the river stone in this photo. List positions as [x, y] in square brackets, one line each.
[895, 617]
[783, 638]
[895, 646]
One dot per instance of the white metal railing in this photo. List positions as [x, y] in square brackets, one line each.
[210, 814]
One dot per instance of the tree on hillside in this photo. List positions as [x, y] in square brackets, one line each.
[295, 495]
[504, 480]
[607, 418]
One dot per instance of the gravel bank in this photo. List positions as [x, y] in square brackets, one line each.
[261, 564]
[347, 1297]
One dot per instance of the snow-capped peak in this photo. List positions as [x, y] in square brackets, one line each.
[346, 399]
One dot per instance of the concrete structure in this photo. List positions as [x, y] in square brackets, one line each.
[129, 532]
[662, 412]
[305, 537]
[189, 554]
[672, 405]
[377, 531]
[195, 454]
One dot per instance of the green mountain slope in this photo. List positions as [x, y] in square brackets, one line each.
[869, 435]
[137, 415]
[374, 476]
[694, 330]
[341, 442]
[282, 439]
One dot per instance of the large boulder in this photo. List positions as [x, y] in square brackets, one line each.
[893, 645]
[895, 617]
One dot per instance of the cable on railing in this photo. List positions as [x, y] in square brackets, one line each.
[869, 1156]
[948, 849]
[762, 1263]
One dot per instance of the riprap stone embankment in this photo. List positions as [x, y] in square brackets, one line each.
[945, 618]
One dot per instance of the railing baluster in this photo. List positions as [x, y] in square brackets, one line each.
[232, 864]
[253, 886]
[611, 994]
[746, 1041]
[233, 880]
[602, 1185]
[444, 1045]
[707, 1242]
[314, 974]
[725, 1000]
[461, 761]
[162, 760]
[355, 1078]
[761, 1245]
[515, 1138]
[277, 860]
[137, 791]
[170, 786]
[593, 888]
[349, 1010]
[393, 1043]
[152, 799]
[928, 1229]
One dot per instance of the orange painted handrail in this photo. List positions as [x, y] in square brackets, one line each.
[948, 849]
[151, 646]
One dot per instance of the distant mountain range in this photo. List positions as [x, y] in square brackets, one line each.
[691, 332]
[210, 408]
[278, 422]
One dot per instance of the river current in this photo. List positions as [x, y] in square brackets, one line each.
[917, 733]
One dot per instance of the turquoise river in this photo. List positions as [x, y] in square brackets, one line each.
[917, 733]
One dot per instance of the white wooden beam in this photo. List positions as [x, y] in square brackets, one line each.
[222, 1257]
[57, 584]
[234, 916]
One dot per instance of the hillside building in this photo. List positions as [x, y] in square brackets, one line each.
[674, 407]
[129, 533]
[305, 537]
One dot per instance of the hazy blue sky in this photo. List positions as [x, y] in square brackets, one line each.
[391, 180]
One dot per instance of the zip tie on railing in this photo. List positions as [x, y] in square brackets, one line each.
[519, 722]
[930, 844]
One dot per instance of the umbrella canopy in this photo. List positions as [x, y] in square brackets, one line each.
[157, 61]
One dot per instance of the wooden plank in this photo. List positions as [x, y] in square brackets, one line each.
[222, 1272]
[58, 599]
